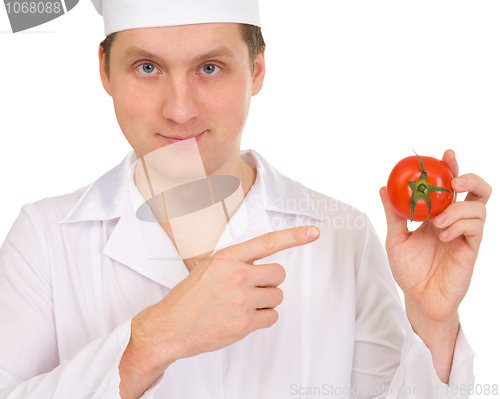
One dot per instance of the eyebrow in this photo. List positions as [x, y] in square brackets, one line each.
[134, 51]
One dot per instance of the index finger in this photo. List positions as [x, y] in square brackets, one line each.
[270, 243]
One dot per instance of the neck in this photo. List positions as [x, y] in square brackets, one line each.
[187, 200]
[233, 166]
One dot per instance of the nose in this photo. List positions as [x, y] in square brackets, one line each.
[180, 100]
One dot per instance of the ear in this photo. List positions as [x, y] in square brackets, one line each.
[259, 73]
[102, 72]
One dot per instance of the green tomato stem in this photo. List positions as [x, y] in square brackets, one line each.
[421, 190]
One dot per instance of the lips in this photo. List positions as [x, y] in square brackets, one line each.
[171, 140]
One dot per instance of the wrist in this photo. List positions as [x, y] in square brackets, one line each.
[139, 366]
[150, 346]
[439, 336]
[444, 326]
[135, 377]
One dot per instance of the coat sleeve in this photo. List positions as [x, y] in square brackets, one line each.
[29, 361]
[390, 360]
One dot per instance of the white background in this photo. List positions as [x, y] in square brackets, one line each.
[351, 88]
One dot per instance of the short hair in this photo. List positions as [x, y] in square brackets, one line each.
[251, 34]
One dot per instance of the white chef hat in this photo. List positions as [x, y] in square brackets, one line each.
[129, 14]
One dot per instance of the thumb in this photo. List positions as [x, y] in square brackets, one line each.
[397, 230]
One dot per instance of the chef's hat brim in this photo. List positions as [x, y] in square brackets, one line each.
[129, 14]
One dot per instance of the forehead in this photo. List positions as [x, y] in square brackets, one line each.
[183, 41]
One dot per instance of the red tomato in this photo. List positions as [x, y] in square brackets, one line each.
[423, 181]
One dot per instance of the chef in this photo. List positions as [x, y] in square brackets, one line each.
[102, 298]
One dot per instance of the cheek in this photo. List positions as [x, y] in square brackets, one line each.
[230, 105]
[132, 104]
[133, 108]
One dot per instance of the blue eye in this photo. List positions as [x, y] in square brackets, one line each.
[146, 68]
[209, 69]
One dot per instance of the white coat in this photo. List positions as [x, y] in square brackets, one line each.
[75, 269]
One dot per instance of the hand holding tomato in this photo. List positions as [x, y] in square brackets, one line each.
[433, 265]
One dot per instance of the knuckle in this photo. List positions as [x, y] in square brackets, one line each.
[268, 241]
[223, 254]
[482, 209]
[240, 302]
[238, 277]
[299, 234]
[459, 225]
[479, 226]
[241, 324]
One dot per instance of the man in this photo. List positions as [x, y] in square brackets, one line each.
[96, 303]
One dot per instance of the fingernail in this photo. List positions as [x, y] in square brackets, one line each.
[312, 232]
[445, 233]
[440, 218]
[459, 180]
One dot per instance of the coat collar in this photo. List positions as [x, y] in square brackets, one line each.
[146, 248]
